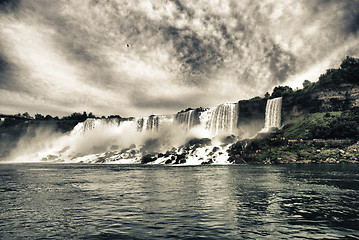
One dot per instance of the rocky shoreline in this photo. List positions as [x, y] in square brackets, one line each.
[331, 156]
[272, 149]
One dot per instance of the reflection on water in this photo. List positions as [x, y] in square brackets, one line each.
[161, 202]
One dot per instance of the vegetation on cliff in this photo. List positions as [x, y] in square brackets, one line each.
[347, 73]
[329, 137]
[329, 125]
[318, 137]
[312, 137]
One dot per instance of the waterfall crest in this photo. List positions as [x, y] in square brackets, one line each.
[188, 118]
[223, 117]
[273, 115]
[149, 123]
[91, 123]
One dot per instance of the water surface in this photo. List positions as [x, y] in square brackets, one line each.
[82, 201]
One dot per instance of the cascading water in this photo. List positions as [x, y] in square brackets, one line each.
[223, 117]
[189, 118]
[147, 123]
[153, 122]
[120, 140]
[92, 123]
[273, 115]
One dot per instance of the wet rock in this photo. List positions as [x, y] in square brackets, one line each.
[215, 149]
[101, 160]
[199, 142]
[148, 158]
[229, 139]
[181, 156]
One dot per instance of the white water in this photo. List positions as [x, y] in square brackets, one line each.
[128, 140]
[223, 118]
[188, 119]
[273, 117]
[91, 123]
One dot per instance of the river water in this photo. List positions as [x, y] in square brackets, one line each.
[82, 201]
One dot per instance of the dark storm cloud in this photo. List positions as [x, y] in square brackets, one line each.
[5, 71]
[183, 9]
[348, 17]
[9, 76]
[280, 67]
[197, 57]
[4, 66]
[9, 5]
[5, 74]
[353, 25]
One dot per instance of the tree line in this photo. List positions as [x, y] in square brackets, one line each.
[348, 72]
[74, 116]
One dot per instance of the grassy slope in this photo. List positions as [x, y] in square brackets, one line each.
[301, 127]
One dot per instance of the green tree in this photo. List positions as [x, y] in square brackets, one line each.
[306, 83]
[48, 117]
[350, 69]
[281, 91]
[38, 116]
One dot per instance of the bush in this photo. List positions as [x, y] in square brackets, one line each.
[333, 125]
[281, 91]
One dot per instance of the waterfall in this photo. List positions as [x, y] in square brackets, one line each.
[91, 123]
[188, 118]
[223, 117]
[273, 116]
[150, 123]
[142, 124]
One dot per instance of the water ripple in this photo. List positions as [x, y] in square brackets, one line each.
[155, 202]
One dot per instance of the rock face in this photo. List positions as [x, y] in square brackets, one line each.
[344, 97]
[251, 115]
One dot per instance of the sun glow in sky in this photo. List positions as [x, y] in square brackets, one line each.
[136, 58]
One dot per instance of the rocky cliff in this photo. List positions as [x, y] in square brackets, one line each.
[343, 97]
[251, 115]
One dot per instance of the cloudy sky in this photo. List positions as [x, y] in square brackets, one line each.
[141, 57]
